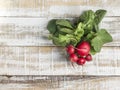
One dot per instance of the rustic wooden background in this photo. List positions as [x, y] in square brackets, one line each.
[29, 61]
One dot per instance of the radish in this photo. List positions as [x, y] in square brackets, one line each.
[73, 57]
[83, 48]
[70, 49]
[88, 57]
[81, 61]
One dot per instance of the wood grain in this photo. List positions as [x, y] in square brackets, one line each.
[56, 8]
[59, 83]
[18, 32]
[52, 61]
[29, 61]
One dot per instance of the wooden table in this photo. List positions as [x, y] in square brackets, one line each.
[29, 61]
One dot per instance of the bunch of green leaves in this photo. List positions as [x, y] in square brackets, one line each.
[63, 32]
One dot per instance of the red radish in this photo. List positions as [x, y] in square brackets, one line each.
[73, 57]
[83, 48]
[81, 61]
[70, 49]
[88, 57]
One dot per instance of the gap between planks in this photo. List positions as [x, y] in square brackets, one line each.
[60, 82]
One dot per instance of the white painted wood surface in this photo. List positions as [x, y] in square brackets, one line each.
[25, 49]
[34, 33]
[56, 8]
[52, 61]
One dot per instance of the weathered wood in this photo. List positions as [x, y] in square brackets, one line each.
[52, 61]
[33, 32]
[56, 8]
[59, 83]
[23, 30]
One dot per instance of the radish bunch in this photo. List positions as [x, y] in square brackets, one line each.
[79, 54]
[82, 37]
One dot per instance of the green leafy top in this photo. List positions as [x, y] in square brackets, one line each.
[102, 37]
[63, 32]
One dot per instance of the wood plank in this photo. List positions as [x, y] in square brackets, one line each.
[33, 32]
[56, 8]
[59, 83]
[52, 61]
